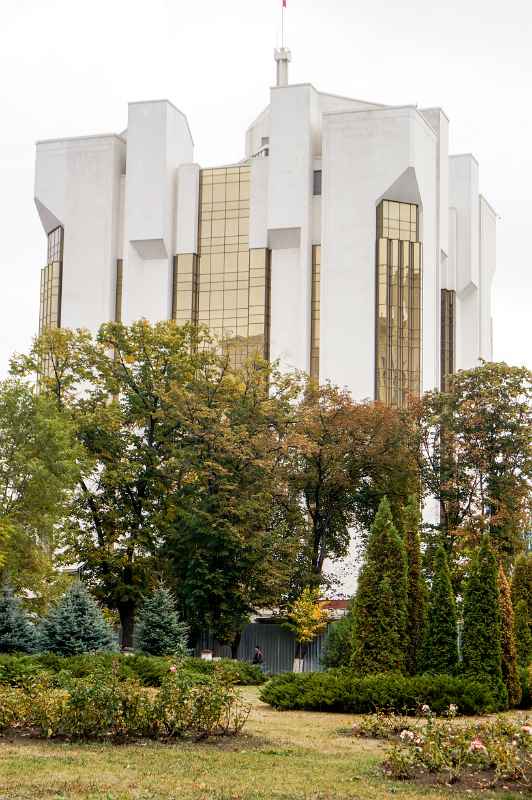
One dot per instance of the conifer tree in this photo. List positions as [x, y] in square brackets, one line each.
[510, 672]
[75, 625]
[159, 631]
[416, 590]
[522, 583]
[440, 644]
[17, 634]
[482, 648]
[522, 634]
[380, 643]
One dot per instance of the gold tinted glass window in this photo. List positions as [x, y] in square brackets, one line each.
[398, 303]
[118, 289]
[232, 282]
[315, 314]
[447, 339]
[51, 283]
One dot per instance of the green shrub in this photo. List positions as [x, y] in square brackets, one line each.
[18, 670]
[341, 690]
[239, 673]
[103, 706]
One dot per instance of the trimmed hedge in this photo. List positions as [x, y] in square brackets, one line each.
[19, 670]
[342, 691]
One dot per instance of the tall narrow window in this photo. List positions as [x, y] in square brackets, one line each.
[398, 304]
[51, 283]
[118, 289]
[315, 314]
[447, 339]
[317, 182]
[185, 300]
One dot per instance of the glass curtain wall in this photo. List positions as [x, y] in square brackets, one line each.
[398, 303]
[448, 337]
[226, 287]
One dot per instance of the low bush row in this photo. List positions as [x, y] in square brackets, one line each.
[342, 691]
[18, 670]
[104, 705]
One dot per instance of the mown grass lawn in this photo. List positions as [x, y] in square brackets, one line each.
[282, 756]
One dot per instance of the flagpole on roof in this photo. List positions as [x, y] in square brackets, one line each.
[283, 6]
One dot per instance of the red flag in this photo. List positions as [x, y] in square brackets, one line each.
[284, 3]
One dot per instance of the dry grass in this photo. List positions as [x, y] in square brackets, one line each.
[283, 756]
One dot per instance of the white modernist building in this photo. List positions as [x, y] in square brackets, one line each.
[347, 243]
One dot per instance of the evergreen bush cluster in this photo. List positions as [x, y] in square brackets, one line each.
[342, 691]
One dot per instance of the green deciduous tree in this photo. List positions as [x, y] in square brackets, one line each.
[343, 458]
[440, 644]
[180, 471]
[417, 590]
[159, 631]
[75, 625]
[476, 460]
[39, 465]
[482, 644]
[17, 634]
[380, 606]
[510, 671]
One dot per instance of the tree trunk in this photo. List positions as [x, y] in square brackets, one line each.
[127, 625]
[235, 644]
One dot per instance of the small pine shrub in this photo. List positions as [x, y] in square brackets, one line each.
[17, 634]
[75, 625]
[159, 631]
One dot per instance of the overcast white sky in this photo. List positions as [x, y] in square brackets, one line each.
[69, 68]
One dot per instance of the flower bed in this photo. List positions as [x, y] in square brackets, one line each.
[104, 705]
[488, 754]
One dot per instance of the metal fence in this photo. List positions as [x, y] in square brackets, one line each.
[278, 645]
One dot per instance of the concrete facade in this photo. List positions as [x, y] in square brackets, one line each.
[135, 197]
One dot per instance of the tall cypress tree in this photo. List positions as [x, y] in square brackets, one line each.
[440, 644]
[17, 634]
[522, 634]
[522, 583]
[416, 609]
[380, 605]
[510, 672]
[482, 648]
[75, 625]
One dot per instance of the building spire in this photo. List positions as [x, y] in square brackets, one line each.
[283, 56]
